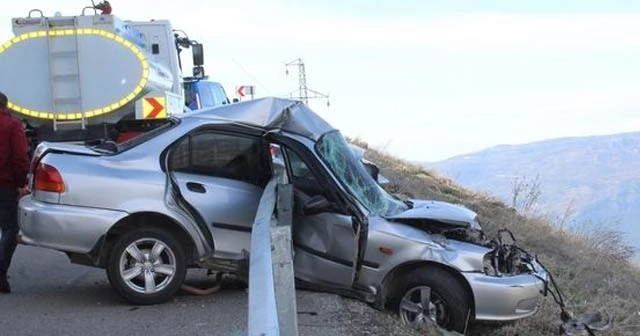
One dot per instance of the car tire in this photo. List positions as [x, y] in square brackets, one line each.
[146, 266]
[449, 302]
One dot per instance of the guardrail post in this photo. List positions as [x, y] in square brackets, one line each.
[263, 318]
[282, 258]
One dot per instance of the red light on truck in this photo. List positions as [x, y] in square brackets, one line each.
[47, 178]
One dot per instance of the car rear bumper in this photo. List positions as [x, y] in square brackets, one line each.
[62, 227]
[508, 297]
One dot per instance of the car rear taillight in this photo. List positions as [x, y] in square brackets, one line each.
[47, 178]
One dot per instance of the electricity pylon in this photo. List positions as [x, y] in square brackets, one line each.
[303, 91]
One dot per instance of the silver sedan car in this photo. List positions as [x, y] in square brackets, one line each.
[185, 195]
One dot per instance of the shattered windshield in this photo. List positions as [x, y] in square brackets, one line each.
[336, 154]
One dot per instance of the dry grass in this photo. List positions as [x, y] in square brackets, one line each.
[592, 267]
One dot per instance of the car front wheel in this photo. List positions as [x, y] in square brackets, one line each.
[146, 266]
[432, 296]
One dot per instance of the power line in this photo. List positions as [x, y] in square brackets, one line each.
[252, 76]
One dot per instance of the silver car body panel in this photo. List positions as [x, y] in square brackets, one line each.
[412, 244]
[69, 148]
[270, 114]
[506, 298]
[227, 206]
[319, 256]
[102, 190]
[439, 211]
[62, 227]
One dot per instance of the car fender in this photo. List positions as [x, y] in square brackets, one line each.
[172, 211]
[394, 244]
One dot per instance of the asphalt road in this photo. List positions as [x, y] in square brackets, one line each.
[51, 296]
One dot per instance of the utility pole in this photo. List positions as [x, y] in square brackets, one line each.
[303, 91]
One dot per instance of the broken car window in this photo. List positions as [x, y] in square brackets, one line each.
[336, 154]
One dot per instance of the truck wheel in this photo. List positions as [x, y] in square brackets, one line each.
[146, 266]
[432, 296]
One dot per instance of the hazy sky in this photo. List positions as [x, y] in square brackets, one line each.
[425, 80]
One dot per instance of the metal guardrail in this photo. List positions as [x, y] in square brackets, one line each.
[263, 318]
[282, 261]
[272, 301]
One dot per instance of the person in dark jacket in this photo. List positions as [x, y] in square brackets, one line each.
[14, 167]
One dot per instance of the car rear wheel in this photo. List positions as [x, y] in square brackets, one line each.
[432, 296]
[146, 266]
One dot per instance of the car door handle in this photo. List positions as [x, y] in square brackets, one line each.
[196, 187]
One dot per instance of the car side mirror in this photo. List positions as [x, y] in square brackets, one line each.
[316, 204]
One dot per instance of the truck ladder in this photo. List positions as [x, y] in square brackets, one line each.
[64, 74]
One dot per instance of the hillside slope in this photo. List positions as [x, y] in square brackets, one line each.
[597, 179]
[592, 269]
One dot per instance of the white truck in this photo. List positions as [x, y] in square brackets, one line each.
[73, 78]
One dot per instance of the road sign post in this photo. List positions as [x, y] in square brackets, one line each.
[244, 90]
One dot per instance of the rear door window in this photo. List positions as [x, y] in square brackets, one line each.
[224, 155]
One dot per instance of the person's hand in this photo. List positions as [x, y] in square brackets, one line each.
[23, 191]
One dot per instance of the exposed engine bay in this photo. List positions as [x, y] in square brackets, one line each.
[506, 258]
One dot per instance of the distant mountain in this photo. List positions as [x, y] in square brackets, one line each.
[597, 178]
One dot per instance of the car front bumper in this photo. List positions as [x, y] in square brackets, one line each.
[508, 297]
[63, 227]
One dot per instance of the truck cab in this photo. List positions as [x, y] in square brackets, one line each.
[200, 94]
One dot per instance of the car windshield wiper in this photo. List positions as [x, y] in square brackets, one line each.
[409, 203]
[406, 201]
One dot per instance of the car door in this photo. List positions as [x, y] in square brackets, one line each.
[222, 175]
[326, 235]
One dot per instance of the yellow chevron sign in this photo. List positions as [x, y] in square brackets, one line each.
[154, 108]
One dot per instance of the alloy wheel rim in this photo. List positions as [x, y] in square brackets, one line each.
[420, 305]
[147, 266]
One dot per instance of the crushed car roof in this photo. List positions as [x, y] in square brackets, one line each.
[270, 114]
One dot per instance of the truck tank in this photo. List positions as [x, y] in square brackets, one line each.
[70, 70]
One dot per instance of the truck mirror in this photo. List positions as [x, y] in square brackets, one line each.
[198, 54]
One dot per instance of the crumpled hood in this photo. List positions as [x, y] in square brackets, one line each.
[438, 211]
